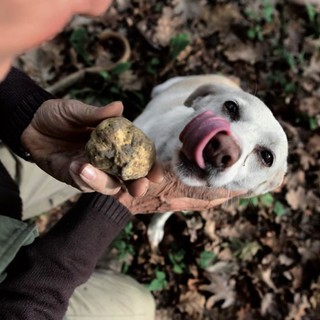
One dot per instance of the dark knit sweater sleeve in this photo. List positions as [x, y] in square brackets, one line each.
[43, 276]
[20, 97]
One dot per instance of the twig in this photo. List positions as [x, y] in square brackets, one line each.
[79, 75]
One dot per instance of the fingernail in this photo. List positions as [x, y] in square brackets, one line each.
[88, 173]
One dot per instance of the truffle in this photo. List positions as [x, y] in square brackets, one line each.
[118, 147]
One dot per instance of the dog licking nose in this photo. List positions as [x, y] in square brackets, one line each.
[216, 135]
[222, 151]
[206, 138]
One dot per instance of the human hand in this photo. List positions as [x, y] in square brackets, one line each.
[25, 24]
[172, 195]
[56, 139]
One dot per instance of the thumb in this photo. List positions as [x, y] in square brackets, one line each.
[114, 109]
[87, 115]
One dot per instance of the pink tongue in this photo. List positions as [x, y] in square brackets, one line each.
[197, 134]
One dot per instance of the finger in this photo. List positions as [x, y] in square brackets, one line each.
[79, 183]
[238, 193]
[114, 109]
[98, 180]
[138, 188]
[181, 204]
[217, 202]
[90, 116]
[156, 174]
[207, 193]
[95, 178]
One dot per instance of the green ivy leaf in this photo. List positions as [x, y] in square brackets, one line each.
[279, 209]
[267, 11]
[206, 258]
[152, 65]
[105, 75]
[251, 201]
[178, 44]
[120, 68]
[251, 33]
[159, 283]
[311, 12]
[244, 202]
[313, 123]
[176, 258]
[267, 199]
[79, 41]
[249, 250]
[254, 201]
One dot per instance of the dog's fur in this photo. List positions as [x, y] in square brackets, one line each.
[253, 135]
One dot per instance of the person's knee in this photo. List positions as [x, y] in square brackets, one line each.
[109, 295]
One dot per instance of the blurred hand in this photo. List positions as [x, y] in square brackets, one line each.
[25, 24]
[56, 139]
[172, 195]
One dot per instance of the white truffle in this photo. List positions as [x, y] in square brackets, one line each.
[119, 148]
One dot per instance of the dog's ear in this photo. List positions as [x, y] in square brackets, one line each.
[205, 90]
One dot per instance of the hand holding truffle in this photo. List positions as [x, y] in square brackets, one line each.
[60, 138]
[56, 139]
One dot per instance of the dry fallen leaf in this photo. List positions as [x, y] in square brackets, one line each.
[306, 160]
[220, 18]
[129, 81]
[295, 179]
[298, 308]
[192, 302]
[221, 288]
[167, 27]
[225, 255]
[243, 52]
[297, 273]
[296, 198]
[310, 106]
[312, 71]
[164, 314]
[188, 9]
[314, 144]
[266, 277]
[194, 224]
[267, 304]
[295, 31]
[42, 63]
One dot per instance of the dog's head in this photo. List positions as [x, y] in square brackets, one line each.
[231, 140]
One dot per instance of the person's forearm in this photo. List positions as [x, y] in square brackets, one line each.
[20, 97]
[44, 275]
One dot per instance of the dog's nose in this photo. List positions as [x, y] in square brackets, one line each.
[222, 151]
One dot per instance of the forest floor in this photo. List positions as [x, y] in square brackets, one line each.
[257, 259]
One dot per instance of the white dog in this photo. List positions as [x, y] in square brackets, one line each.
[216, 134]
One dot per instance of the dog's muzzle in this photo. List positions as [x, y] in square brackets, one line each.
[207, 138]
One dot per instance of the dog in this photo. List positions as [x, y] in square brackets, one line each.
[216, 135]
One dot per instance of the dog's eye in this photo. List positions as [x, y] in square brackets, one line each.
[233, 109]
[267, 157]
